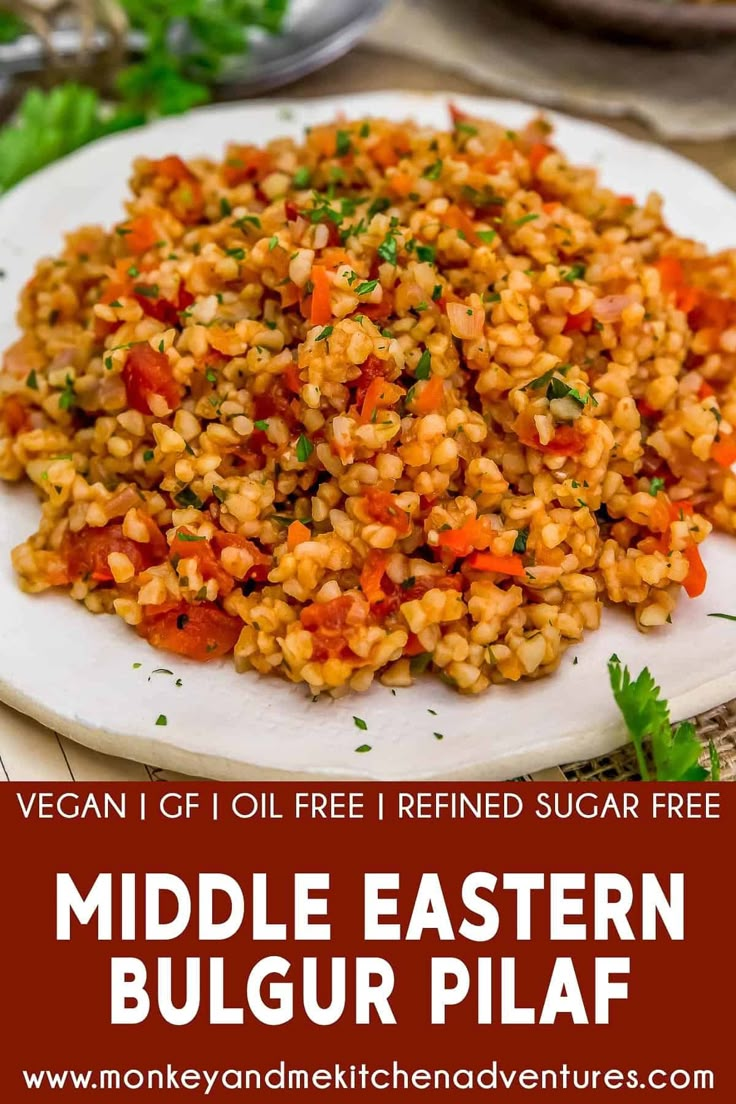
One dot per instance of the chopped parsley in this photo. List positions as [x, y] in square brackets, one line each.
[187, 497]
[211, 375]
[343, 144]
[525, 218]
[148, 456]
[433, 171]
[302, 177]
[273, 243]
[324, 334]
[304, 449]
[424, 367]
[487, 236]
[522, 538]
[378, 205]
[162, 720]
[225, 208]
[238, 253]
[68, 395]
[361, 724]
[388, 250]
[261, 424]
[189, 537]
[247, 220]
[148, 291]
[366, 287]
[426, 253]
[574, 272]
[363, 748]
[32, 380]
[656, 486]
[438, 736]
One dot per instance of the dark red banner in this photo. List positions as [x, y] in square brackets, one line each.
[210, 942]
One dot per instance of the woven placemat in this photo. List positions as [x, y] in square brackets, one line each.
[717, 725]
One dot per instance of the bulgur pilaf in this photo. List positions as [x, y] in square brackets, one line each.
[391, 400]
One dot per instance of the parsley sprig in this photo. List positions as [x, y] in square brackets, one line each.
[164, 80]
[674, 753]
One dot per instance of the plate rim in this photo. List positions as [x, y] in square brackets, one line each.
[142, 748]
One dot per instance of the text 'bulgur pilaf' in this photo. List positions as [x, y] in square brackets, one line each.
[390, 400]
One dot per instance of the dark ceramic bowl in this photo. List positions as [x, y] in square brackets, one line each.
[681, 24]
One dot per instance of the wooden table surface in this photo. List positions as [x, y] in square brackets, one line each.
[30, 752]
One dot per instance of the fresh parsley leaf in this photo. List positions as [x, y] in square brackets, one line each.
[363, 749]
[388, 250]
[361, 724]
[304, 449]
[302, 177]
[675, 753]
[366, 287]
[433, 171]
[261, 424]
[343, 144]
[32, 380]
[656, 486]
[424, 367]
[522, 537]
[325, 333]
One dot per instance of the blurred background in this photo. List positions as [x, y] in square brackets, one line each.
[72, 71]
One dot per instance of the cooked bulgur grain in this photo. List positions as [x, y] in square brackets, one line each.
[390, 400]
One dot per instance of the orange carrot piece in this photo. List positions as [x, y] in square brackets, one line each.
[401, 183]
[431, 395]
[457, 219]
[297, 533]
[697, 576]
[724, 452]
[380, 394]
[321, 307]
[472, 535]
[503, 565]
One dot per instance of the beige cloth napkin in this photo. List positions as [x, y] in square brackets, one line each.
[682, 94]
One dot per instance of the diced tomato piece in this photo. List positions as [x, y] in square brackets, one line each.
[697, 576]
[713, 311]
[503, 565]
[370, 370]
[705, 391]
[86, 551]
[414, 646]
[164, 310]
[261, 562]
[671, 274]
[199, 631]
[185, 197]
[579, 323]
[291, 375]
[329, 622]
[14, 414]
[381, 506]
[688, 298]
[724, 452]
[423, 583]
[148, 372]
[566, 441]
[377, 312]
[371, 575]
[245, 164]
[186, 545]
[537, 154]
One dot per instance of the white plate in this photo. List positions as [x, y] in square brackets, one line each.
[74, 672]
